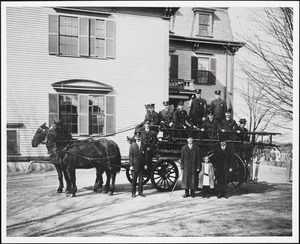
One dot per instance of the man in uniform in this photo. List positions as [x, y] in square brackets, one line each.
[180, 118]
[218, 106]
[198, 110]
[211, 125]
[228, 125]
[137, 164]
[166, 119]
[149, 139]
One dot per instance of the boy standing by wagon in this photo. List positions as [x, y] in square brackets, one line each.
[206, 177]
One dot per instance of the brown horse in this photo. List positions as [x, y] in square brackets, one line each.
[39, 138]
[102, 154]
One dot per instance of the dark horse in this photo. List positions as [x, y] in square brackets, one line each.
[39, 138]
[102, 154]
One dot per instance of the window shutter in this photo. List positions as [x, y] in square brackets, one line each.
[213, 71]
[53, 108]
[194, 66]
[53, 34]
[174, 66]
[110, 118]
[83, 37]
[110, 39]
[83, 114]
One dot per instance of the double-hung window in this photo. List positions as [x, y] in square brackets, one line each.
[204, 70]
[205, 24]
[81, 37]
[83, 114]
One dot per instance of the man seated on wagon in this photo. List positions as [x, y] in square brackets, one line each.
[241, 129]
[228, 125]
[166, 119]
[211, 125]
[151, 117]
[181, 119]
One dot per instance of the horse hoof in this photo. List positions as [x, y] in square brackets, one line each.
[68, 194]
[59, 190]
[110, 193]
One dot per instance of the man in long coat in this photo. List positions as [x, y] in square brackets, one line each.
[191, 166]
[197, 111]
[149, 140]
[222, 161]
[218, 106]
[137, 164]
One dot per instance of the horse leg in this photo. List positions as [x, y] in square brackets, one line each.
[112, 186]
[60, 178]
[68, 176]
[73, 175]
[68, 179]
[99, 180]
[108, 176]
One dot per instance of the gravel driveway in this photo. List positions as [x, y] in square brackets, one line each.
[34, 209]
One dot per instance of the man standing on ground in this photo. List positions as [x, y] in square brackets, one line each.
[137, 162]
[222, 160]
[191, 166]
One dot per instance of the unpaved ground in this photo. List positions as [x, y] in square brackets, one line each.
[35, 209]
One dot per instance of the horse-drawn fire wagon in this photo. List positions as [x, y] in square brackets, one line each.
[164, 169]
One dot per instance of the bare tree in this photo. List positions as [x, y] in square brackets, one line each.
[269, 67]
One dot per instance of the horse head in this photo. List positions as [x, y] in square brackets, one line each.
[39, 135]
[58, 137]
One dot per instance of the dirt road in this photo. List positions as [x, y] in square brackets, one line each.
[34, 209]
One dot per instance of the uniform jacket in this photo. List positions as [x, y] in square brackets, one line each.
[211, 125]
[218, 106]
[136, 156]
[211, 176]
[166, 116]
[198, 109]
[228, 125]
[190, 163]
[222, 159]
[152, 118]
[180, 118]
[149, 139]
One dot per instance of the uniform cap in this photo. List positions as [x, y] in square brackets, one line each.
[229, 110]
[147, 105]
[166, 103]
[137, 134]
[198, 91]
[152, 105]
[243, 121]
[218, 92]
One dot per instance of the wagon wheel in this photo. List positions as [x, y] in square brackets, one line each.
[164, 175]
[238, 174]
[146, 176]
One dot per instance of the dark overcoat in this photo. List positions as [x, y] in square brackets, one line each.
[152, 118]
[229, 125]
[190, 163]
[222, 160]
[166, 116]
[136, 156]
[218, 106]
[197, 110]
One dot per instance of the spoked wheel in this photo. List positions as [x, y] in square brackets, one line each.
[146, 176]
[164, 175]
[238, 174]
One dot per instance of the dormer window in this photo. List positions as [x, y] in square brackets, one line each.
[204, 18]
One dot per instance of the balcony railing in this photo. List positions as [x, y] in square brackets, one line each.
[181, 84]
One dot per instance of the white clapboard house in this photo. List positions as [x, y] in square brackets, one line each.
[95, 68]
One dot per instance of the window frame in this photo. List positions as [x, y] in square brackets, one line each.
[17, 130]
[210, 29]
[54, 32]
[211, 58]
